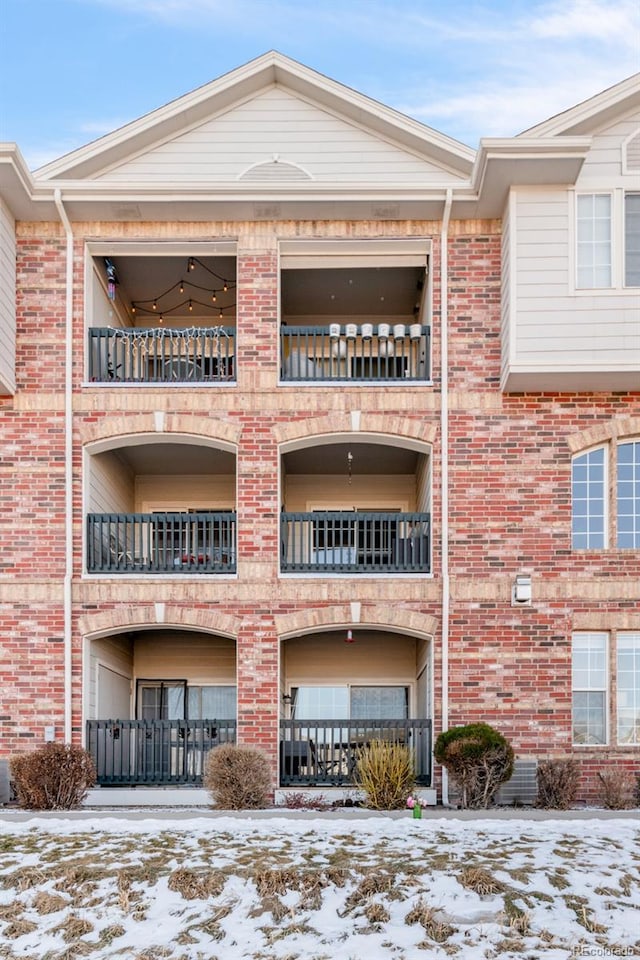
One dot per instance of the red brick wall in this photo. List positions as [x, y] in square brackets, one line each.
[509, 504]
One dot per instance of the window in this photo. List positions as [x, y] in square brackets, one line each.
[594, 500]
[589, 684]
[628, 676]
[344, 703]
[607, 240]
[594, 240]
[593, 702]
[632, 240]
[628, 490]
[167, 699]
[588, 500]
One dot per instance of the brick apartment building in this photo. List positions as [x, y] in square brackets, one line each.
[317, 425]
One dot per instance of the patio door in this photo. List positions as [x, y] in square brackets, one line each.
[161, 746]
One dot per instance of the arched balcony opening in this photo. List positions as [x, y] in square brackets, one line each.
[156, 701]
[357, 506]
[161, 507]
[343, 689]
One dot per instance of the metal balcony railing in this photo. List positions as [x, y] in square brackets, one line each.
[356, 352]
[354, 542]
[162, 355]
[325, 752]
[161, 542]
[154, 751]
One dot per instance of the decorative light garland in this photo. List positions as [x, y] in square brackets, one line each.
[156, 308]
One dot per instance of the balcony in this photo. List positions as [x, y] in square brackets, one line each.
[153, 752]
[354, 542]
[356, 353]
[325, 752]
[162, 355]
[177, 543]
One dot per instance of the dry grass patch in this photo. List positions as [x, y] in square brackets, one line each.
[378, 881]
[11, 911]
[45, 903]
[436, 929]
[73, 928]
[109, 934]
[196, 886]
[377, 913]
[24, 879]
[270, 882]
[18, 928]
[481, 881]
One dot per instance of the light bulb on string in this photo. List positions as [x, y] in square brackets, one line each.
[191, 265]
[190, 306]
[225, 286]
[213, 296]
[182, 286]
[154, 306]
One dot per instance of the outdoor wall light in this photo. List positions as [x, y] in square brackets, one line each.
[521, 591]
[286, 699]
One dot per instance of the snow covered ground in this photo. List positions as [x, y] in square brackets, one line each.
[318, 889]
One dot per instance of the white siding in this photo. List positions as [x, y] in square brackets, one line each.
[304, 493]
[278, 123]
[174, 655]
[110, 485]
[114, 653]
[184, 493]
[7, 302]
[555, 329]
[505, 290]
[604, 161]
[375, 658]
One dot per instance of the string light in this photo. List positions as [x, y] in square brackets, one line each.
[192, 263]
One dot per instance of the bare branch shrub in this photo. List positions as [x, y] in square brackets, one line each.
[54, 777]
[238, 777]
[384, 770]
[558, 782]
[478, 759]
[617, 788]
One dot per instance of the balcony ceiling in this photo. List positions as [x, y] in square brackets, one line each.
[330, 292]
[147, 278]
[368, 459]
[361, 291]
[175, 459]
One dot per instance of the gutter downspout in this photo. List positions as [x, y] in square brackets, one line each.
[68, 469]
[444, 474]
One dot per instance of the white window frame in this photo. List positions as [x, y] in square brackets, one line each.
[604, 689]
[593, 195]
[606, 494]
[617, 239]
[627, 193]
[626, 441]
[634, 637]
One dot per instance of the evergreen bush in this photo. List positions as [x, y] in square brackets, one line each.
[478, 760]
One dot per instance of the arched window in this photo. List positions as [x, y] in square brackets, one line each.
[606, 513]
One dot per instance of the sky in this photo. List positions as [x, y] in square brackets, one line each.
[73, 70]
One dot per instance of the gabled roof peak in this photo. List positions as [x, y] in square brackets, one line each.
[239, 85]
[589, 115]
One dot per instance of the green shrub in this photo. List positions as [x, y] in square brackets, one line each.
[478, 760]
[384, 770]
[558, 782]
[55, 777]
[238, 778]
